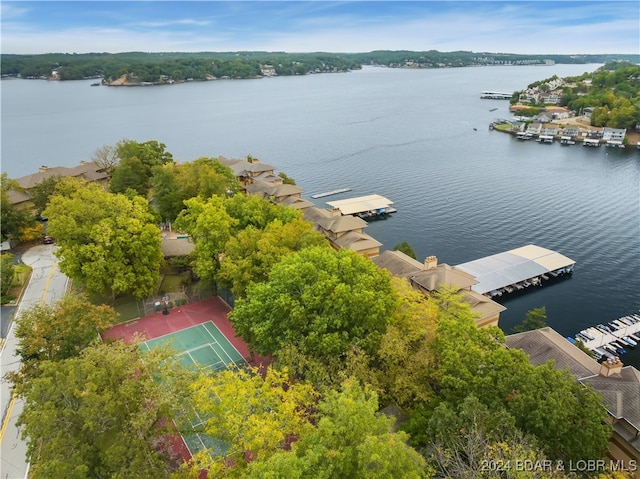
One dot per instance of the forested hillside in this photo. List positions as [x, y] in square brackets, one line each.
[182, 66]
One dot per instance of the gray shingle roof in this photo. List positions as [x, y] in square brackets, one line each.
[621, 391]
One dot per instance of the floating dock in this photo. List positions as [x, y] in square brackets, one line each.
[611, 339]
[366, 207]
[330, 193]
[496, 95]
[516, 269]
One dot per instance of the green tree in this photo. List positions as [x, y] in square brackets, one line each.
[287, 180]
[251, 253]
[136, 161]
[210, 227]
[206, 177]
[106, 241]
[7, 271]
[130, 174]
[12, 220]
[473, 442]
[100, 414]
[320, 300]
[251, 210]
[351, 439]
[405, 248]
[166, 192]
[567, 418]
[405, 360]
[535, 319]
[252, 414]
[58, 332]
[41, 192]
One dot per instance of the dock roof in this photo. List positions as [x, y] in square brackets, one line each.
[361, 204]
[504, 269]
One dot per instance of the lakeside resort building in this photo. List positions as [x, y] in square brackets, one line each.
[618, 384]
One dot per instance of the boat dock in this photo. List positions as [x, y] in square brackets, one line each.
[365, 207]
[516, 270]
[495, 95]
[330, 193]
[611, 339]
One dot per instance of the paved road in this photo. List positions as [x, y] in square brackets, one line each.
[47, 286]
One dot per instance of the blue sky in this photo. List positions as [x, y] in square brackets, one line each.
[562, 27]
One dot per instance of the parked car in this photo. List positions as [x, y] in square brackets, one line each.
[48, 240]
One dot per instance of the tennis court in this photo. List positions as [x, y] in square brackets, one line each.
[202, 345]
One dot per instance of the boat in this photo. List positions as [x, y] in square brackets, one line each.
[493, 109]
[95, 84]
[618, 347]
[632, 344]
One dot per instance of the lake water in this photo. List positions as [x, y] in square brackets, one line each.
[418, 137]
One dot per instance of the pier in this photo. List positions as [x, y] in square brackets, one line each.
[495, 95]
[612, 339]
[365, 207]
[330, 193]
[516, 270]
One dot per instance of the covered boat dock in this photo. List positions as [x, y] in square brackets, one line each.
[516, 269]
[366, 207]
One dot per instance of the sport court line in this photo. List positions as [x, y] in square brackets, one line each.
[229, 342]
[202, 346]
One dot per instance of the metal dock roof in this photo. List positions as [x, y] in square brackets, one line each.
[505, 269]
[361, 204]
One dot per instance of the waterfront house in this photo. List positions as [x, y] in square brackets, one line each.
[89, 172]
[343, 231]
[275, 192]
[614, 136]
[428, 277]
[534, 128]
[619, 385]
[249, 170]
[571, 132]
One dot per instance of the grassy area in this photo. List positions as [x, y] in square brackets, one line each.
[21, 276]
[172, 283]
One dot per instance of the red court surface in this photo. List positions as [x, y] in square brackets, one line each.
[182, 317]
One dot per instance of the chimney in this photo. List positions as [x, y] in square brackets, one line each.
[43, 168]
[334, 212]
[611, 366]
[430, 262]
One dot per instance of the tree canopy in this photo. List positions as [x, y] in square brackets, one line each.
[100, 414]
[567, 418]
[251, 253]
[254, 415]
[61, 331]
[320, 300]
[135, 165]
[351, 439]
[107, 241]
[12, 220]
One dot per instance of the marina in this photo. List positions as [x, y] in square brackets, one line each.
[365, 207]
[330, 193]
[516, 270]
[615, 338]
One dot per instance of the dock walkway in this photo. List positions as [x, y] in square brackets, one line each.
[611, 339]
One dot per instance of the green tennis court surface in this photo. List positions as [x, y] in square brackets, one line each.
[201, 345]
[205, 346]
